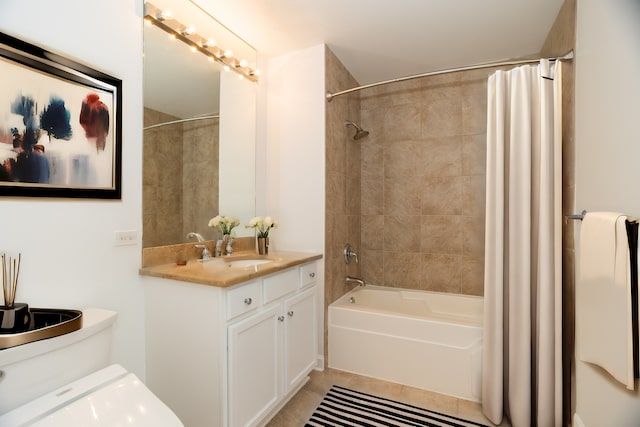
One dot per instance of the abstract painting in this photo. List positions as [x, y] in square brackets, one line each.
[60, 126]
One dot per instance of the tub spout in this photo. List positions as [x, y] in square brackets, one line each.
[357, 280]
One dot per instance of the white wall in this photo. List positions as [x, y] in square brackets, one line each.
[290, 155]
[607, 164]
[237, 147]
[293, 152]
[68, 255]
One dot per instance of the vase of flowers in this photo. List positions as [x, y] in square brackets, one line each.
[262, 225]
[225, 225]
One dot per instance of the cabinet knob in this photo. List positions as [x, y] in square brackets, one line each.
[281, 318]
[248, 301]
[312, 275]
[290, 313]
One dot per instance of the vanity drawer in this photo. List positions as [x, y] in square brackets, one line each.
[308, 274]
[243, 299]
[280, 284]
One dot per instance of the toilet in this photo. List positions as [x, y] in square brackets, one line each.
[67, 381]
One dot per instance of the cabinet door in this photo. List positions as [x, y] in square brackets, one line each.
[300, 339]
[254, 366]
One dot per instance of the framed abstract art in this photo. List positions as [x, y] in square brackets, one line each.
[60, 126]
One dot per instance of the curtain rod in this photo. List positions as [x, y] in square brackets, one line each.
[330, 96]
[173, 122]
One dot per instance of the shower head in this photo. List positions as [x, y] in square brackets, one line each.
[360, 133]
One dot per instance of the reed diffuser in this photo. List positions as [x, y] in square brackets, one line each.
[13, 316]
[10, 275]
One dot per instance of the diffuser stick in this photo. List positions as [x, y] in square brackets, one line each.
[5, 290]
[10, 276]
[15, 280]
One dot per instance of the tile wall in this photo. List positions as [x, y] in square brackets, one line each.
[342, 211]
[423, 175]
[162, 192]
[176, 157]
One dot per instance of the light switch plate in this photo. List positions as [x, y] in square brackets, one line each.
[124, 238]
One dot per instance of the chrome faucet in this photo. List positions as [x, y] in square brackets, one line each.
[357, 280]
[196, 235]
[229, 249]
[206, 255]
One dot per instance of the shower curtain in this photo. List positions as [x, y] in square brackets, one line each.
[522, 356]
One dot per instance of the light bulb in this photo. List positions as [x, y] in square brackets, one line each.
[164, 15]
[209, 43]
[187, 31]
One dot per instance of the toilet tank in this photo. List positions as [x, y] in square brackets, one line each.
[30, 370]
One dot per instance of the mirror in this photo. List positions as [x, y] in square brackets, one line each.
[199, 124]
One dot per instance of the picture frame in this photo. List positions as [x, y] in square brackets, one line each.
[60, 126]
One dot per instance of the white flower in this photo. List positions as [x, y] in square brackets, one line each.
[225, 224]
[262, 225]
[215, 221]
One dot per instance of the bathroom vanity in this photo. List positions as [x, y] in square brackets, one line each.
[228, 344]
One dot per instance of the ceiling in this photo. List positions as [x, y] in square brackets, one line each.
[378, 40]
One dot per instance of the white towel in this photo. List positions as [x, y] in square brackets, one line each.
[605, 295]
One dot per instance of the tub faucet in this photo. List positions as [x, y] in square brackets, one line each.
[357, 280]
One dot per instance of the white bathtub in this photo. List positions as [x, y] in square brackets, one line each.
[427, 340]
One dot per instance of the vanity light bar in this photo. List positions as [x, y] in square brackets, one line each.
[174, 28]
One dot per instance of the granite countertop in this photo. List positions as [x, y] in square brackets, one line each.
[217, 271]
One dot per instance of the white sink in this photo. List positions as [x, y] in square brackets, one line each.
[241, 263]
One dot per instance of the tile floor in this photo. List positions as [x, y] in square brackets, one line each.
[302, 405]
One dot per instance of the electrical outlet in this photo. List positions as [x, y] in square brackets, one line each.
[123, 238]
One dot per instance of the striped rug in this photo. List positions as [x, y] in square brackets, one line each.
[344, 407]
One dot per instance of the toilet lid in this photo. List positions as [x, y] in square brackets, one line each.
[107, 398]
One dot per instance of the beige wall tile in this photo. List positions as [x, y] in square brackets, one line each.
[336, 193]
[372, 266]
[372, 162]
[372, 196]
[473, 236]
[441, 156]
[473, 195]
[472, 276]
[441, 118]
[401, 233]
[401, 122]
[441, 196]
[474, 154]
[401, 269]
[400, 159]
[372, 232]
[441, 272]
[401, 196]
[474, 106]
[441, 234]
